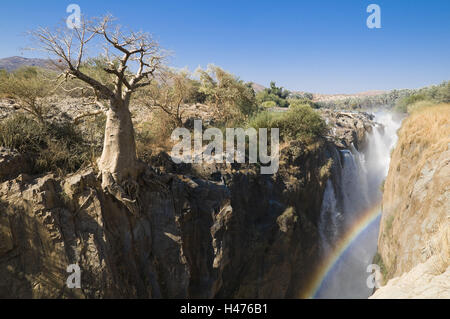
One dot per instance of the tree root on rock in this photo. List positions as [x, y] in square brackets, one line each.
[155, 182]
[127, 193]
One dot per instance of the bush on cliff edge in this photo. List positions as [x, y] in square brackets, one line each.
[301, 122]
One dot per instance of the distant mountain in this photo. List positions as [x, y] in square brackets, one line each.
[257, 87]
[318, 97]
[16, 62]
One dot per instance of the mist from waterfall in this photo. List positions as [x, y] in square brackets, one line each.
[355, 188]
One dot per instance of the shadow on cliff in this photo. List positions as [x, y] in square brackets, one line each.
[202, 232]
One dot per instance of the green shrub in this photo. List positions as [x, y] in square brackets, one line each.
[302, 96]
[265, 96]
[378, 260]
[264, 119]
[194, 94]
[401, 108]
[443, 93]
[299, 123]
[269, 104]
[57, 147]
[298, 102]
[424, 97]
[275, 94]
[403, 104]
[389, 222]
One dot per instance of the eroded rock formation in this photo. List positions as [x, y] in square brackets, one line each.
[201, 232]
[415, 227]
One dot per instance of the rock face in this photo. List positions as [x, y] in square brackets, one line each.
[11, 164]
[193, 238]
[349, 128]
[415, 227]
[215, 231]
[423, 281]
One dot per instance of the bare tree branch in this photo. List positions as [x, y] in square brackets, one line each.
[138, 50]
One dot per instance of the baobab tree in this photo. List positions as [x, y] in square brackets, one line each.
[133, 60]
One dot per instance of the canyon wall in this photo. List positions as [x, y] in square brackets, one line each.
[413, 244]
[245, 236]
[212, 231]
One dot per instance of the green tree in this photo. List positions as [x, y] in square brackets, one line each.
[231, 98]
[30, 87]
[276, 94]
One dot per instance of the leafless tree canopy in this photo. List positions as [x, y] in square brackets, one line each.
[132, 57]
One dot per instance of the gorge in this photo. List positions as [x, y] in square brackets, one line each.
[205, 231]
[353, 196]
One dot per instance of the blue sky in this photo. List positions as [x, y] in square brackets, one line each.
[316, 46]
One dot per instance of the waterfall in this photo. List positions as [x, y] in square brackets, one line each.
[353, 189]
[354, 183]
[330, 217]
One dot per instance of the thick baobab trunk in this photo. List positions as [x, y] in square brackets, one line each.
[119, 149]
[118, 164]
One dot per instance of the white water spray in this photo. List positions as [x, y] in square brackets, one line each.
[345, 199]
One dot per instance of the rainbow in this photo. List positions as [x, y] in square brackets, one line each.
[366, 219]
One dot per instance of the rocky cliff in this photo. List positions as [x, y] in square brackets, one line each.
[414, 234]
[201, 232]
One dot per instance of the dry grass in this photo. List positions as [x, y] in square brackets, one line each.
[415, 222]
[153, 135]
[425, 133]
